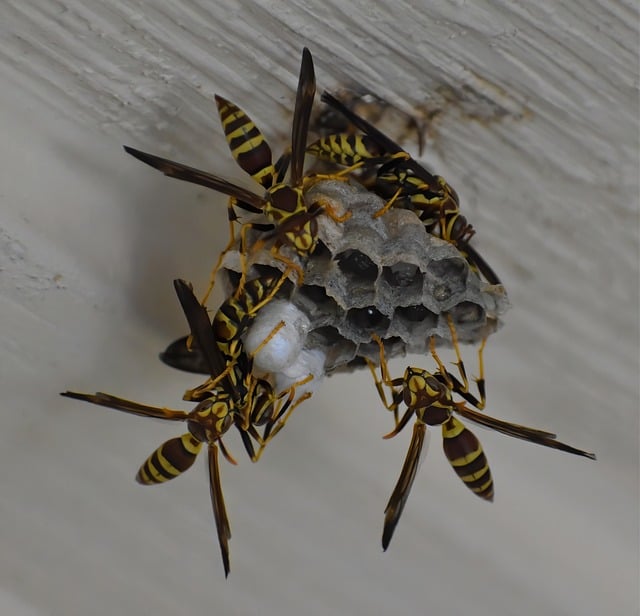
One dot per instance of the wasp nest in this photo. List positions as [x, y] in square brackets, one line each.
[369, 275]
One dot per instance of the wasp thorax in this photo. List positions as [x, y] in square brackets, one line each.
[284, 202]
[211, 418]
[421, 388]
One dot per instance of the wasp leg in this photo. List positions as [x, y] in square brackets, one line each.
[275, 426]
[385, 379]
[233, 218]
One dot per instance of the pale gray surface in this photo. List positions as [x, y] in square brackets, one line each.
[91, 239]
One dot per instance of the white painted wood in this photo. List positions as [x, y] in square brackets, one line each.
[540, 137]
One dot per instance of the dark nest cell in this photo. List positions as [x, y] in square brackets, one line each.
[417, 314]
[368, 320]
[467, 312]
[356, 264]
[447, 277]
[403, 275]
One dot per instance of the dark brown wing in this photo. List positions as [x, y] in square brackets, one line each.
[179, 356]
[128, 406]
[386, 143]
[539, 437]
[476, 259]
[196, 176]
[219, 511]
[302, 112]
[400, 493]
[200, 325]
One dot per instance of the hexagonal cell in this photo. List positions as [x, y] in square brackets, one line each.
[357, 363]
[403, 275]
[316, 294]
[357, 266]
[324, 336]
[417, 313]
[415, 324]
[317, 268]
[338, 350]
[401, 283]
[313, 299]
[363, 322]
[394, 346]
[446, 278]
[467, 312]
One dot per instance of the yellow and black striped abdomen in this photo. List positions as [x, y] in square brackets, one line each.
[169, 460]
[465, 454]
[236, 313]
[345, 149]
[229, 323]
[247, 144]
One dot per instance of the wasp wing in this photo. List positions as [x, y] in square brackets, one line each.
[301, 115]
[540, 437]
[190, 359]
[386, 143]
[128, 406]
[200, 325]
[401, 491]
[219, 510]
[196, 176]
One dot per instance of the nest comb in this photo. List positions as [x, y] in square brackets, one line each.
[384, 276]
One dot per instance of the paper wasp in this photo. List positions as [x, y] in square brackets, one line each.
[283, 206]
[218, 409]
[429, 396]
[403, 182]
[254, 397]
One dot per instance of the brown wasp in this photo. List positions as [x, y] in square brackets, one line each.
[220, 406]
[289, 218]
[403, 181]
[429, 396]
[255, 398]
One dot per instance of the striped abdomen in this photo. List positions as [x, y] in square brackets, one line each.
[246, 142]
[346, 149]
[464, 452]
[429, 200]
[169, 460]
[235, 315]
